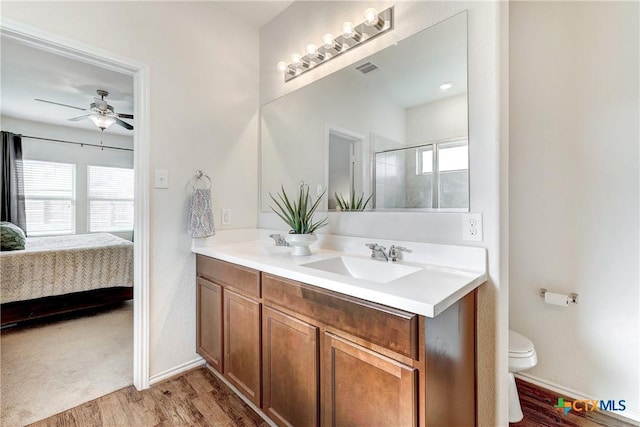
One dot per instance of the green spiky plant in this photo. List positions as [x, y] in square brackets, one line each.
[353, 203]
[298, 214]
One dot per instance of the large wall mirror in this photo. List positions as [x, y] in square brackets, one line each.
[393, 126]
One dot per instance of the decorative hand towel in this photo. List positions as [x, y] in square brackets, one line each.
[201, 214]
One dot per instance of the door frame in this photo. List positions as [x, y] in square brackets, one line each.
[56, 44]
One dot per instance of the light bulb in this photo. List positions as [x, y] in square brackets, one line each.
[327, 40]
[347, 30]
[370, 17]
[102, 122]
[312, 50]
[282, 66]
[296, 59]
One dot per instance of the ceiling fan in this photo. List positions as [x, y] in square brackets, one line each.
[101, 114]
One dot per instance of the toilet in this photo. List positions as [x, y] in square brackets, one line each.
[522, 356]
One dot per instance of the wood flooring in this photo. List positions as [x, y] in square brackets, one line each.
[196, 398]
[538, 409]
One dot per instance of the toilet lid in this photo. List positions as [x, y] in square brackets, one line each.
[519, 343]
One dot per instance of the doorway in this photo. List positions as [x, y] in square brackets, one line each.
[34, 37]
[345, 166]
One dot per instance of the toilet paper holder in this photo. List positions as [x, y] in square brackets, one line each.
[572, 297]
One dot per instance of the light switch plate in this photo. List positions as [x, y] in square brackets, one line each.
[162, 178]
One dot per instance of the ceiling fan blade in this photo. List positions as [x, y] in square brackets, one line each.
[124, 116]
[123, 124]
[76, 119]
[57, 103]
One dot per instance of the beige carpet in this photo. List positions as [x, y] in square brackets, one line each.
[54, 366]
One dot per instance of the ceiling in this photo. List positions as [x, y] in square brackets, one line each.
[411, 71]
[29, 73]
[255, 13]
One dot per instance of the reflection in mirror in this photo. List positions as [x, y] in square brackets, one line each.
[393, 125]
[428, 176]
[345, 166]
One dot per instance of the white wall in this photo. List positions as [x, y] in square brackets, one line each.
[305, 22]
[574, 199]
[33, 149]
[434, 121]
[204, 99]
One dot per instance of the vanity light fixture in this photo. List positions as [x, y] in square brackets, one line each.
[375, 23]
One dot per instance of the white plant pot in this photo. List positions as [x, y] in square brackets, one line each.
[300, 243]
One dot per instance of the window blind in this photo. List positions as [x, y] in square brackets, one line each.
[50, 194]
[110, 198]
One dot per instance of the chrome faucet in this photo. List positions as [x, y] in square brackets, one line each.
[395, 252]
[279, 239]
[378, 252]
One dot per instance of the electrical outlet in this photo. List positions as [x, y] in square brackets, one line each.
[226, 216]
[472, 227]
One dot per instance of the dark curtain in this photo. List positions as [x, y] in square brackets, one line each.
[11, 181]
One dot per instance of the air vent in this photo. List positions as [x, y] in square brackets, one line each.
[367, 67]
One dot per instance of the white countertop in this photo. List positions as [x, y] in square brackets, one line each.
[446, 272]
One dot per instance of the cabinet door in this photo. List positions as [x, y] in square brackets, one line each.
[209, 322]
[242, 344]
[364, 388]
[290, 367]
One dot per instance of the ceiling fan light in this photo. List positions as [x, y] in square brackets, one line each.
[102, 122]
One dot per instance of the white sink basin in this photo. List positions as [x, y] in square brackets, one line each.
[366, 269]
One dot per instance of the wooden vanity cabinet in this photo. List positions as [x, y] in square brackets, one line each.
[228, 322]
[308, 356]
[209, 322]
[290, 351]
[242, 344]
[364, 388]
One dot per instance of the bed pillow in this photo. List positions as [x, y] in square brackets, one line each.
[12, 237]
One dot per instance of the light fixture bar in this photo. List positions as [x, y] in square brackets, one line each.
[351, 36]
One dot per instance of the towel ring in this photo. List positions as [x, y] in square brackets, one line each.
[200, 176]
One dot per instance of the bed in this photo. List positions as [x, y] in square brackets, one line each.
[58, 274]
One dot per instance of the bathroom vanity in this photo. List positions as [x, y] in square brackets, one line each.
[315, 347]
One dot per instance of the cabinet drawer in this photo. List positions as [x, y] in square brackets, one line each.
[243, 279]
[390, 328]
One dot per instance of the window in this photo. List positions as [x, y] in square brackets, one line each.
[453, 178]
[50, 197]
[110, 199]
[424, 160]
[446, 165]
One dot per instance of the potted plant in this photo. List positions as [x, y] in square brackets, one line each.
[352, 204]
[298, 214]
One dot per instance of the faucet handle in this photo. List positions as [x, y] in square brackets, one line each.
[279, 239]
[375, 246]
[394, 252]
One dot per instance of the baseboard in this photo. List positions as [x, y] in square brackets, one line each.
[176, 370]
[627, 415]
[242, 396]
